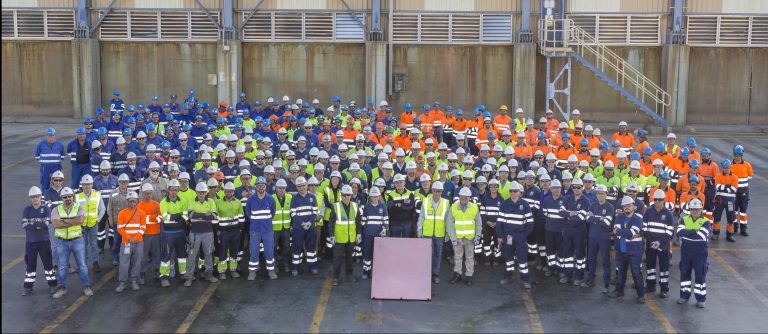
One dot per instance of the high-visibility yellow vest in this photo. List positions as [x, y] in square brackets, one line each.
[282, 218]
[434, 218]
[464, 221]
[91, 207]
[345, 230]
[333, 196]
[71, 232]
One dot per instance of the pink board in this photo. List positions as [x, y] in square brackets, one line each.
[402, 269]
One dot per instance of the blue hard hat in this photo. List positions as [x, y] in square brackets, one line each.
[302, 121]
[169, 117]
[693, 178]
[258, 137]
[459, 112]
[417, 120]
[311, 110]
[370, 101]
[648, 151]
[131, 108]
[642, 133]
[566, 136]
[198, 117]
[190, 99]
[88, 120]
[166, 105]
[408, 106]
[336, 98]
[239, 120]
[344, 107]
[230, 108]
[267, 122]
[131, 120]
[261, 180]
[425, 107]
[150, 126]
[726, 163]
[206, 105]
[584, 142]
[191, 91]
[221, 119]
[139, 117]
[185, 106]
[685, 153]
[215, 110]
[660, 147]
[175, 122]
[141, 106]
[491, 135]
[706, 151]
[305, 104]
[165, 144]
[664, 176]
[373, 114]
[358, 111]
[257, 103]
[51, 132]
[393, 119]
[186, 127]
[258, 119]
[475, 112]
[436, 103]
[603, 145]
[481, 107]
[155, 98]
[486, 114]
[237, 127]
[211, 128]
[242, 94]
[387, 109]
[448, 108]
[81, 130]
[738, 149]
[691, 142]
[173, 96]
[541, 135]
[116, 92]
[616, 143]
[693, 163]
[634, 156]
[102, 131]
[292, 118]
[513, 123]
[99, 111]
[127, 132]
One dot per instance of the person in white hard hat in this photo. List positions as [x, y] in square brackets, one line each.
[574, 233]
[375, 223]
[35, 219]
[151, 209]
[68, 219]
[202, 216]
[402, 208]
[343, 228]
[553, 228]
[156, 180]
[131, 224]
[304, 211]
[658, 229]
[230, 212]
[93, 205]
[105, 183]
[693, 232]
[464, 226]
[600, 220]
[435, 210]
[117, 202]
[628, 227]
[512, 230]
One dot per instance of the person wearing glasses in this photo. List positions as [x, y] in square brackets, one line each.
[68, 219]
[52, 199]
[35, 220]
[658, 227]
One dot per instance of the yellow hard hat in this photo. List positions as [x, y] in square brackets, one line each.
[504, 107]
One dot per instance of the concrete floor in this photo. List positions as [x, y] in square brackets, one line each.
[737, 286]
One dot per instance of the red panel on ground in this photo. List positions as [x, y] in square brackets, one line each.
[402, 269]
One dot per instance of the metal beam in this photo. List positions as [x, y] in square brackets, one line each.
[249, 16]
[676, 35]
[101, 18]
[208, 13]
[524, 36]
[375, 15]
[354, 15]
[228, 12]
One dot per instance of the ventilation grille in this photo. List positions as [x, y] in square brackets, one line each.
[451, 28]
[622, 29]
[38, 24]
[303, 27]
[727, 30]
[155, 25]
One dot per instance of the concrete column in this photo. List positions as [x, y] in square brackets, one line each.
[229, 69]
[376, 71]
[86, 76]
[674, 74]
[524, 90]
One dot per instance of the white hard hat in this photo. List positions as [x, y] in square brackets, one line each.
[437, 185]
[601, 187]
[425, 178]
[212, 183]
[66, 191]
[515, 186]
[658, 162]
[671, 135]
[589, 177]
[494, 182]
[551, 156]
[573, 158]
[594, 152]
[509, 150]
[229, 186]
[141, 134]
[132, 195]
[313, 181]
[442, 167]
[555, 183]
[631, 186]
[498, 148]
[154, 165]
[626, 200]
[576, 112]
[87, 179]
[387, 165]
[147, 187]
[621, 155]
[95, 144]
[120, 140]
[123, 177]
[503, 168]
[131, 155]
[577, 182]
[485, 147]
[286, 98]
[400, 152]
[659, 194]
[410, 165]
[281, 183]
[347, 190]
[622, 123]
[695, 204]
[374, 192]
[467, 175]
[105, 165]
[455, 173]
[482, 179]
[465, 192]
[34, 191]
[174, 183]
[567, 175]
[399, 177]
[634, 164]
[583, 163]
[183, 135]
[300, 181]
[609, 164]
[546, 177]
[183, 176]
[201, 186]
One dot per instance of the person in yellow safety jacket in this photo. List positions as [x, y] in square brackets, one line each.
[671, 147]
[231, 221]
[463, 226]
[504, 182]
[344, 226]
[520, 120]
[174, 213]
[312, 188]
[93, 205]
[575, 119]
[281, 224]
[67, 219]
[434, 212]
[425, 181]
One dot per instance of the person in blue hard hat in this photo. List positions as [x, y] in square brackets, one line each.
[116, 103]
[243, 106]
[49, 153]
[79, 151]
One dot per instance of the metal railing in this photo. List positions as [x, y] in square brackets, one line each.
[41, 24]
[727, 31]
[450, 28]
[560, 37]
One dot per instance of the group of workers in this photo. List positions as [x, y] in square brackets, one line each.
[184, 187]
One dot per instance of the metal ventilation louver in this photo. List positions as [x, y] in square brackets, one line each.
[9, 25]
[644, 30]
[405, 28]
[30, 23]
[201, 26]
[465, 28]
[497, 28]
[258, 27]
[759, 31]
[114, 25]
[612, 29]
[174, 25]
[586, 22]
[702, 30]
[348, 27]
[288, 26]
[318, 26]
[143, 25]
[434, 27]
[734, 30]
[60, 23]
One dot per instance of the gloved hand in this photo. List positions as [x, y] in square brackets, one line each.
[306, 225]
[383, 232]
[332, 240]
[359, 238]
[455, 242]
[477, 240]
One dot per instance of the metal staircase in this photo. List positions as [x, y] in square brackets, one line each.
[562, 38]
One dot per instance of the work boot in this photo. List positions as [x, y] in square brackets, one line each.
[682, 301]
[62, 291]
[435, 279]
[364, 276]
[650, 289]
[504, 281]
[188, 282]
[26, 292]
[468, 280]
[251, 275]
[526, 285]
[87, 291]
[730, 238]
[562, 275]
[563, 280]
[294, 273]
[164, 283]
[96, 267]
[744, 234]
[539, 267]
[587, 284]
[314, 271]
[142, 279]
[272, 274]
[455, 278]
[613, 280]
[641, 300]
[212, 278]
[286, 268]
[234, 274]
[616, 294]
[120, 287]
[335, 282]
[605, 290]
[134, 286]
[663, 294]
[715, 236]
[222, 276]
[700, 304]
[114, 263]
[53, 289]
[577, 282]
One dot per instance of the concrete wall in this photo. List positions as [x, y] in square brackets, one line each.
[141, 70]
[593, 97]
[304, 70]
[719, 86]
[37, 78]
[459, 75]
